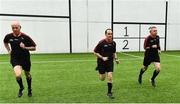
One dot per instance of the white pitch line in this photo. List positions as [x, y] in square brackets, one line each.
[132, 55]
[64, 61]
[171, 55]
[71, 61]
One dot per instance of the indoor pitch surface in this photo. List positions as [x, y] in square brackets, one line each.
[68, 78]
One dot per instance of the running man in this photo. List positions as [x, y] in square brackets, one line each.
[18, 46]
[106, 54]
[152, 51]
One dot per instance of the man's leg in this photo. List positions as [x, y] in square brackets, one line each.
[102, 73]
[102, 76]
[109, 84]
[146, 63]
[17, 71]
[29, 81]
[155, 73]
[109, 74]
[143, 69]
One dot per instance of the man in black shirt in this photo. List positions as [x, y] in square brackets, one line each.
[106, 53]
[18, 46]
[152, 50]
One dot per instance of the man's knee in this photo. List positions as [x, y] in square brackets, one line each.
[158, 67]
[102, 77]
[17, 71]
[110, 77]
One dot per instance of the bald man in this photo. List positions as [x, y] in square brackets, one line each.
[18, 46]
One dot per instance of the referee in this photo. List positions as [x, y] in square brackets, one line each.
[152, 51]
[18, 46]
[106, 53]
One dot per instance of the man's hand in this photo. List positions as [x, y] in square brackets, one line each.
[117, 61]
[104, 58]
[154, 46]
[9, 52]
[22, 45]
[159, 51]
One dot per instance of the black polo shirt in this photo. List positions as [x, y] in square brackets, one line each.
[149, 42]
[105, 49]
[14, 41]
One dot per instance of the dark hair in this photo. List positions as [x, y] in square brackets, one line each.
[150, 28]
[107, 30]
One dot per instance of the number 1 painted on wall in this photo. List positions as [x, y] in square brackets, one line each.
[126, 31]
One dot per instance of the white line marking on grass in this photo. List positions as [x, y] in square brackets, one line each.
[127, 54]
[65, 61]
[171, 55]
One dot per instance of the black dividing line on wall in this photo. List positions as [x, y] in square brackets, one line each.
[140, 23]
[28, 15]
[70, 28]
[166, 16]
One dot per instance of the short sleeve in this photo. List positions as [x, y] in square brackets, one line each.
[158, 43]
[146, 42]
[114, 47]
[30, 42]
[6, 39]
[97, 49]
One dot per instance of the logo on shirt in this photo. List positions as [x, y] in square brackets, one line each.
[151, 41]
[105, 45]
[16, 39]
[11, 40]
[110, 44]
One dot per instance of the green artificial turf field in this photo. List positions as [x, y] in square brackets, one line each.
[71, 78]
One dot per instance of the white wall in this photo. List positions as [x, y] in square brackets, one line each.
[173, 36]
[139, 10]
[89, 20]
[41, 7]
[50, 34]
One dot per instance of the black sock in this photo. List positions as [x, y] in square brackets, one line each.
[29, 80]
[109, 87]
[155, 74]
[142, 71]
[19, 81]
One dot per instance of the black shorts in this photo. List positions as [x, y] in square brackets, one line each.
[25, 63]
[102, 68]
[149, 59]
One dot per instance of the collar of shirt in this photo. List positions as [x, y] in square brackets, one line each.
[17, 35]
